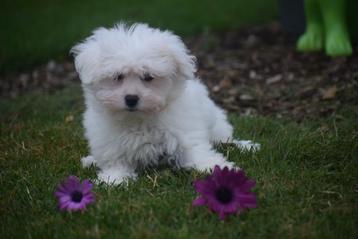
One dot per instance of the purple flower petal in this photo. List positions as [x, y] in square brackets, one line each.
[200, 201]
[72, 206]
[247, 185]
[64, 205]
[73, 183]
[86, 186]
[60, 194]
[238, 177]
[247, 200]
[217, 172]
[64, 199]
[223, 177]
[61, 188]
[230, 208]
[204, 186]
[89, 199]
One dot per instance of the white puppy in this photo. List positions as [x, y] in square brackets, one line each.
[144, 104]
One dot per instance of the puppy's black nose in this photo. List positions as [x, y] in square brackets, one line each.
[131, 100]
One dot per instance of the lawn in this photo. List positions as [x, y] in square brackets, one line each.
[33, 32]
[306, 180]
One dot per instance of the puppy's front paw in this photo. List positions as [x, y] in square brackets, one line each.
[115, 176]
[88, 161]
[223, 164]
[247, 145]
[210, 167]
[209, 164]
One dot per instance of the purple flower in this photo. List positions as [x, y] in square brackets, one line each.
[74, 196]
[226, 192]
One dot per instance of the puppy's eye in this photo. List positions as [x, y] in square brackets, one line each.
[147, 77]
[119, 77]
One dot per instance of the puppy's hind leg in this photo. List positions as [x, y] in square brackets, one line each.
[203, 158]
[222, 132]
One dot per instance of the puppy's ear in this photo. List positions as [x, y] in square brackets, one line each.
[86, 56]
[185, 62]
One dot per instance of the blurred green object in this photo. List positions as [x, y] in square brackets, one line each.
[32, 32]
[352, 19]
[326, 27]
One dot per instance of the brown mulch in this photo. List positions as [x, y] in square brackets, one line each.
[251, 71]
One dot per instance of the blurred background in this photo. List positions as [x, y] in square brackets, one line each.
[35, 31]
[246, 50]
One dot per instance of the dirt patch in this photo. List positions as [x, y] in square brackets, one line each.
[250, 71]
[258, 71]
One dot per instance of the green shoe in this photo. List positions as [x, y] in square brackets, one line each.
[312, 39]
[338, 43]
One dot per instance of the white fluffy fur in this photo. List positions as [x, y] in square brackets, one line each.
[174, 122]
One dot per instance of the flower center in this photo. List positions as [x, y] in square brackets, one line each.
[224, 195]
[76, 196]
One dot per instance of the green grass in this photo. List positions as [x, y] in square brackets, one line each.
[34, 31]
[307, 180]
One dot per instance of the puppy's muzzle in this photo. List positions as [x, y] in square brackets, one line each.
[131, 101]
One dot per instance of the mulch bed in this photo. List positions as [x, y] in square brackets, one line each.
[251, 71]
